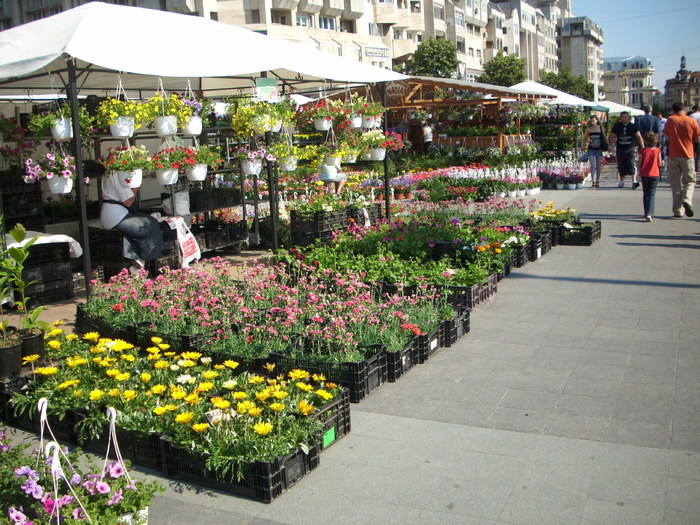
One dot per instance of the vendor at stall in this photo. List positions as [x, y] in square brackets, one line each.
[143, 240]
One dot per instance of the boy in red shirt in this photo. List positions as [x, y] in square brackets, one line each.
[648, 164]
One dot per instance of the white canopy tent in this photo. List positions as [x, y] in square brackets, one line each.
[83, 49]
[615, 109]
[558, 97]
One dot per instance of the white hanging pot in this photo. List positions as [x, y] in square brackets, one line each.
[62, 129]
[356, 122]
[140, 517]
[502, 194]
[130, 179]
[288, 164]
[333, 160]
[193, 127]
[166, 126]
[572, 186]
[560, 186]
[328, 173]
[530, 191]
[196, 173]
[369, 122]
[513, 194]
[59, 185]
[521, 193]
[377, 153]
[123, 127]
[323, 124]
[350, 159]
[166, 177]
[251, 167]
[366, 155]
[276, 126]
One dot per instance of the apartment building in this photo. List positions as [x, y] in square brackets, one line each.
[580, 41]
[629, 80]
[683, 88]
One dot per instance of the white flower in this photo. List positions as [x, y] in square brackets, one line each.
[205, 360]
[185, 378]
[174, 368]
[230, 384]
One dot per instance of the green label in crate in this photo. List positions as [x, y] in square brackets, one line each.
[329, 437]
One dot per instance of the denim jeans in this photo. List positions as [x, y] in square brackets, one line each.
[596, 160]
[142, 237]
[649, 191]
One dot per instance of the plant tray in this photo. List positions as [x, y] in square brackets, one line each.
[336, 419]
[398, 363]
[146, 450]
[47, 254]
[458, 327]
[428, 344]
[217, 239]
[472, 296]
[261, 480]
[521, 255]
[540, 244]
[238, 231]
[583, 235]
[360, 378]
[50, 291]
[505, 271]
[48, 272]
[307, 239]
[317, 222]
[85, 323]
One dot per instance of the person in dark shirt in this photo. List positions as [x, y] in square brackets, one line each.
[625, 137]
[648, 123]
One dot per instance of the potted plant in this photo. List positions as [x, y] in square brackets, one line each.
[122, 117]
[251, 160]
[286, 153]
[56, 168]
[198, 159]
[10, 341]
[371, 113]
[323, 113]
[128, 164]
[58, 123]
[201, 108]
[168, 113]
[376, 142]
[166, 164]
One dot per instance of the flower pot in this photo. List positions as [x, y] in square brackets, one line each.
[513, 194]
[369, 122]
[356, 122]
[377, 154]
[288, 163]
[579, 185]
[408, 195]
[350, 159]
[521, 193]
[530, 191]
[62, 130]
[166, 126]
[333, 160]
[59, 185]
[251, 167]
[398, 196]
[329, 174]
[123, 127]
[11, 360]
[196, 173]
[502, 194]
[193, 127]
[166, 177]
[130, 179]
[276, 126]
[572, 186]
[323, 124]
[139, 517]
[33, 344]
[379, 196]
[560, 186]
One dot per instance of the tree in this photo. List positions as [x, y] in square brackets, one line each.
[568, 83]
[504, 70]
[434, 58]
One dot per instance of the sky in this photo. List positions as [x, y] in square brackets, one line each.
[661, 30]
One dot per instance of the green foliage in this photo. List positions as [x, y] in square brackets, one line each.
[504, 70]
[565, 81]
[434, 58]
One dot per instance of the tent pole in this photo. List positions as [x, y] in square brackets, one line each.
[84, 238]
[271, 195]
[385, 126]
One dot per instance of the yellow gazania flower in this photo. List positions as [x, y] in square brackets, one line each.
[66, 384]
[277, 407]
[269, 366]
[262, 428]
[210, 374]
[55, 345]
[231, 364]
[165, 347]
[113, 392]
[119, 346]
[170, 407]
[158, 389]
[184, 417]
[305, 407]
[112, 373]
[220, 402]
[205, 386]
[97, 350]
[263, 396]
[145, 377]
[30, 359]
[200, 427]
[178, 394]
[96, 395]
[192, 399]
[161, 365]
[244, 406]
[191, 355]
[77, 393]
[76, 360]
[255, 412]
[297, 374]
[153, 357]
[159, 411]
[71, 337]
[156, 340]
[280, 394]
[318, 377]
[55, 332]
[129, 358]
[58, 322]
[46, 370]
[305, 387]
[256, 380]
[153, 350]
[219, 367]
[324, 394]
[240, 395]
[128, 395]
[123, 376]
[186, 363]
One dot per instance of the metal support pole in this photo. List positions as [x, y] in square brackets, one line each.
[385, 126]
[271, 196]
[84, 237]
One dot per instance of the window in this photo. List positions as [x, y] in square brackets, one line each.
[304, 20]
[374, 29]
[252, 16]
[439, 12]
[459, 19]
[281, 17]
[469, 3]
[471, 52]
[385, 1]
[326, 23]
[347, 26]
[415, 7]
[478, 53]
[460, 46]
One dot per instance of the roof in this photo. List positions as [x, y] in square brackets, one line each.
[475, 87]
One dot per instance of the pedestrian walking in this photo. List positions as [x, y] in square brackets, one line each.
[682, 133]
[427, 136]
[647, 123]
[649, 164]
[597, 145]
[696, 115]
[625, 137]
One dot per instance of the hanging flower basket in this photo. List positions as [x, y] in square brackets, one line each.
[323, 124]
[251, 167]
[193, 127]
[369, 122]
[166, 177]
[196, 173]
[123, 127]
[166, 126]
[350, 158]
[130, 179]
[377, 154]
[288, 164]
[333, 160]
[59, 185]
[329, 174]
[62, 129]
[356, 122]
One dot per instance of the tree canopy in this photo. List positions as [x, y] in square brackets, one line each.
[504, 70]
[434, 58]
[565, 81]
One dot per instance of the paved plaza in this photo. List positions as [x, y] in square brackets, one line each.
[575, 399]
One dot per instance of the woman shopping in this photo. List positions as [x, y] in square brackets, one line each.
[596, 147]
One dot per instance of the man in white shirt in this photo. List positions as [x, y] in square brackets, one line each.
[696, 115]
[427, 136]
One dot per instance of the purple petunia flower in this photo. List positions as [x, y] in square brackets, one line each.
[116, 498]
[115, 470]
[102, 487]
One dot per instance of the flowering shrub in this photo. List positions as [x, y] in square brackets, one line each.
[379, 139]
[48, 166]
[250, 154]
[111, 108]
[127, 159]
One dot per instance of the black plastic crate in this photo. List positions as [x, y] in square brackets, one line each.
[307, 239]
[47, 254]
[48, 272]
[583, 235]
[521, 255]
[400, 362]
[146, 450]
[457, 327]
[472, 296]
[336, 419]
[50, 291]
[505, 270]
[177, 342]
[317, 222]
[238, 231]
[215, 239]
[85, 323]
[428, 344]
[260, 480]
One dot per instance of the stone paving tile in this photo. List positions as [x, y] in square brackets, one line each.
[639, 433]
[598, 512]
[518, 419]
[626, 487]
[587, 406]
[629, 458]
[460, 413]
[673, 517]
[577, 426]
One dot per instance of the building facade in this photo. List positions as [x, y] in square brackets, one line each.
[683, 88]
[629, 80]
[580, 48]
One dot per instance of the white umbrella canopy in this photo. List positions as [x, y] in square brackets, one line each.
[558, 97]
[153, 44]
[616, 109]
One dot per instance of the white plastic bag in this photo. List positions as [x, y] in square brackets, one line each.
[182, 204]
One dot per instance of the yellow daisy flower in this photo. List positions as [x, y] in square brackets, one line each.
[262, 428]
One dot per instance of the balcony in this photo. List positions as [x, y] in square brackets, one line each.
[400, 48]
[310, 6]
[286, 5]
[354, 9]
[385, 13]
[333, 8]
